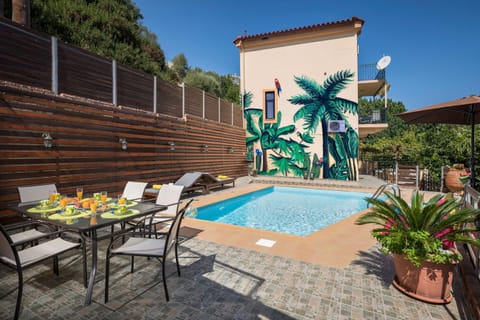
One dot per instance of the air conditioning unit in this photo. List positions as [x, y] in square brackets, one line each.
[336, 126]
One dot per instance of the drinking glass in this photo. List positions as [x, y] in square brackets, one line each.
[63, 202]
[80, 193]
[52, 197]
[104, 197]
[93, 207]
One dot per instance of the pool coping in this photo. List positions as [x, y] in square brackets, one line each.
[335, 246]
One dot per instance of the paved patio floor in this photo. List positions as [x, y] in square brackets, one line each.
[221, 282]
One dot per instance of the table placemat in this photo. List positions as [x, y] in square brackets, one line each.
[110, 215]
[44, 210]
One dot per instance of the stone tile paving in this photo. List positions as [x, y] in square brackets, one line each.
[220, 282]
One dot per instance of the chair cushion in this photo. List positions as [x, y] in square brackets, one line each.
[30, 234]
[142, 247]
[41, 252]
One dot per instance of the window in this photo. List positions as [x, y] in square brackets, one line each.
[269, 105]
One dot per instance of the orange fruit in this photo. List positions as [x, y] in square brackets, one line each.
[86, 205]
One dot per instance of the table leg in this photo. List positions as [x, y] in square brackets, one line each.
[88, 297]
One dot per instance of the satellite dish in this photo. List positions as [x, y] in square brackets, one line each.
[383, 62]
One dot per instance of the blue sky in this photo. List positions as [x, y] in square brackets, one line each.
[434, 45]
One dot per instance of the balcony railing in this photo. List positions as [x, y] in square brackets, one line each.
[370, 72]
[377, 116]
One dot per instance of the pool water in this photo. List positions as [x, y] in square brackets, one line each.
[296, 211]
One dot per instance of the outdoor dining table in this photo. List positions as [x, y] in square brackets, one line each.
[88, 225]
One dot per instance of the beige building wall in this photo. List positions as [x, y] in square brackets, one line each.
[315, 52]
[314, 59]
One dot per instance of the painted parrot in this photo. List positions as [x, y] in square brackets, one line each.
[278, 86]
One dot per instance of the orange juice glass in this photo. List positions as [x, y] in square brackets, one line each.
[93, 207]
[63, 203]
[104, 197]
[52, 197]
[79, 193]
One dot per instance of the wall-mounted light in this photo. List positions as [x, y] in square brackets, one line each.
[172, 145]
[231, 150]
[204, 147]
[47, 140]
[123, 143]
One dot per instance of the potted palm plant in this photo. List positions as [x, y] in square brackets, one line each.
[421, 238]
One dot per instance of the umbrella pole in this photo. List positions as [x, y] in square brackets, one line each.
[472, 159]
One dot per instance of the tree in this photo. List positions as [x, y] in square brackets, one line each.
[203, 80]
[179, 67]
[109, 28]
[427, 145]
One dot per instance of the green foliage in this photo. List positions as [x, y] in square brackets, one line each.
[108, 28]
[113, 29]
[421, 230]
[428, 145]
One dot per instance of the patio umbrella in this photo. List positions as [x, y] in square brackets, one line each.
[460, 111]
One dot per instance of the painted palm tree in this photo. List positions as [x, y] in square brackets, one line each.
[285, 153]
[320, 104]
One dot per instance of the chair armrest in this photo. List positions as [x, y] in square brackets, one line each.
[29, 223]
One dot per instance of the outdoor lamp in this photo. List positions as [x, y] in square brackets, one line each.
[172, 145]
[204, 147]
[47, 140]
[231, 150]
[124, 143]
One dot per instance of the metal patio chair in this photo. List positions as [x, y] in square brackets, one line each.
[21, 259]
[140, 244]
[134, 190]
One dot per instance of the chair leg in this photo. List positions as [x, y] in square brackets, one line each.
[132, 259]
[164, 279]
[84, 252]
[19, 295]
[55, 265]
[176, 258]
[107, 276]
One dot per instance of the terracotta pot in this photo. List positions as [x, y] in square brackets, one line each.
[452, 179]
[431, 282]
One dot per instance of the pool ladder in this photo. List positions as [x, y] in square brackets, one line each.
[395, 188]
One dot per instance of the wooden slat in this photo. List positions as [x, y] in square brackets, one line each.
[169, 98]
[24, 56]
[84, 74]
[87, 151]
[135, 88]
[211, 107]
[193, 101]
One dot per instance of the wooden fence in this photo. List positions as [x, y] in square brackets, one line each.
[87, 150]
[34, 59]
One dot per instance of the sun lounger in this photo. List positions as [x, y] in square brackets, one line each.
[189, 181]
[209, 181]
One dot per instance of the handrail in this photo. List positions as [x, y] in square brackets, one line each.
[395, 188]
[471, 199]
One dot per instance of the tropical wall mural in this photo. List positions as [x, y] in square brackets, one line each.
[289, 150]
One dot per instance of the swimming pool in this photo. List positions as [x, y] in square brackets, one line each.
[297, 211]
